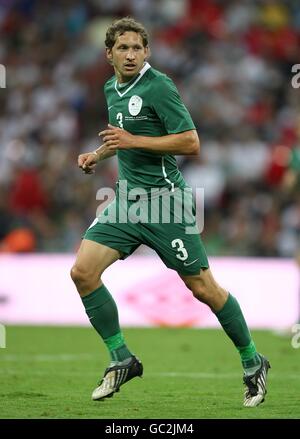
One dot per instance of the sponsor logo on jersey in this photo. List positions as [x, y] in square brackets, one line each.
[135, 105]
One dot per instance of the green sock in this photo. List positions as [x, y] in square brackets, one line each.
[117, 347]
[232, 321]
[103, 314]
[250, 358]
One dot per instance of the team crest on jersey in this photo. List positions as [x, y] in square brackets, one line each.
[135, 105]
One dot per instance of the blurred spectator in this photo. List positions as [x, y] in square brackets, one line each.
[232, 62]
[18, 241]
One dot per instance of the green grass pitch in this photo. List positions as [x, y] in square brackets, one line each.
[50, 372]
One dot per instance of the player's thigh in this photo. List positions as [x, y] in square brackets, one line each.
[175, 236]
[107, 230]
[179, 251]
[93, 258]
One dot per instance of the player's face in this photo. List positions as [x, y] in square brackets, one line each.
[127, 55]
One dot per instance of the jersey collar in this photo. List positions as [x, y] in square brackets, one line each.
[139, 76]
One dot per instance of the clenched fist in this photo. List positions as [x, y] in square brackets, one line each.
[88, 162]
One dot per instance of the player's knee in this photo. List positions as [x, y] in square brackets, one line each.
[212, 295]
[200, 290]
[80, 275]
[201, 293]
[76, 274]
[197, 287]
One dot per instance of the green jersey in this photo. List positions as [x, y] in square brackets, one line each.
[148, 105]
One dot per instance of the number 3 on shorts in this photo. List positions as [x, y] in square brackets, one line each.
[182, 253]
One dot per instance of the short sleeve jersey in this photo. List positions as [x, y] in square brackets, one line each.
[148, 105]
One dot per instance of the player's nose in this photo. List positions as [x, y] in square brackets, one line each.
[130, 54]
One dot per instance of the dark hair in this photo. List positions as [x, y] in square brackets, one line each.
[127, 24]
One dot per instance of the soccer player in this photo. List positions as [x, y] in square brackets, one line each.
[148, 125]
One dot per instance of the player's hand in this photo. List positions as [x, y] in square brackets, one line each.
[88, 162]
[117, 138]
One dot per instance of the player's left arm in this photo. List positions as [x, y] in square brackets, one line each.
[181, 136]
[184, 143]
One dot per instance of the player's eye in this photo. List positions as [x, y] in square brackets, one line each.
[125, 48]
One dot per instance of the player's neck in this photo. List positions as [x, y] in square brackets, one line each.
[123, 82]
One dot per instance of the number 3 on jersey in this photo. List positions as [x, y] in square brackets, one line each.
[120, 120]
[182, 253]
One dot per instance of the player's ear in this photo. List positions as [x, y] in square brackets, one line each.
[109, 55]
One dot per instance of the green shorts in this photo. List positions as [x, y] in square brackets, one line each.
[124, 225]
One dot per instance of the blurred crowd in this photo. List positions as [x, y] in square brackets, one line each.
[232, 63]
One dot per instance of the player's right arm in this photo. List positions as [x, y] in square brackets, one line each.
[89, 160]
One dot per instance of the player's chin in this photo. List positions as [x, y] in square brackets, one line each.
[130, 72]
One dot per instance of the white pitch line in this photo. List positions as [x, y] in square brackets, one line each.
[195, 375]
[46, 357]
[208, 375]
[189, 375]
[25, 358]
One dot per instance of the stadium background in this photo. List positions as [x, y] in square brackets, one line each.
[232, 63]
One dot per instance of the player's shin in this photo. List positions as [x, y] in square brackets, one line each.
[103, 315]
[233, 322]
